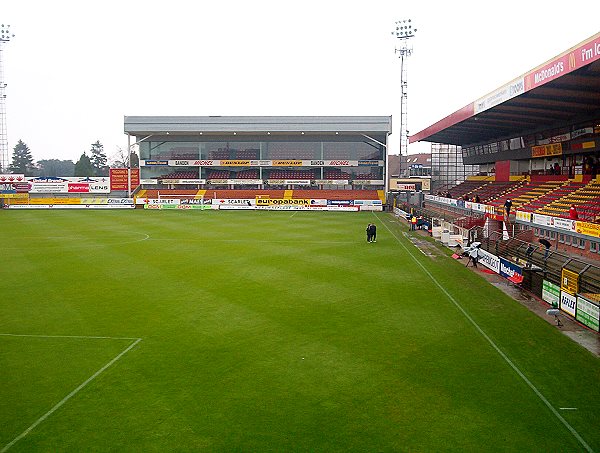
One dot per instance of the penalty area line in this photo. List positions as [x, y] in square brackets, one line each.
[492, 343]
[74, 392]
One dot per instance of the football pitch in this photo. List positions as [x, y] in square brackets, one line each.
[270, 331]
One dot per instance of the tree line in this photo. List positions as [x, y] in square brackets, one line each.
[93, 164]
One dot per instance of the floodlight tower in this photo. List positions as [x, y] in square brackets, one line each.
[404, 31]
[5, 36]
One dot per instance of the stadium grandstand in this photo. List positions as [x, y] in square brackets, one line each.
[331, 158]
[536, 142]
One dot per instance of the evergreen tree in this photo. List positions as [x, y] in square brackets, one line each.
[84, 167]
[56, 167]
[22, 161]
[98, 159]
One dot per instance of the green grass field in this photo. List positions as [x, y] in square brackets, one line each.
[270, 331]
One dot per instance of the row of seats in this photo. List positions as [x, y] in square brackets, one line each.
[362, 194]
[274, 174]
[222, 153]
[548, 197]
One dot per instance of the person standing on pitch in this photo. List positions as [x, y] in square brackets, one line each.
[369, 233]
[373, 232]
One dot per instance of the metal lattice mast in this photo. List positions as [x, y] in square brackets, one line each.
[404, 31]
[5, 36]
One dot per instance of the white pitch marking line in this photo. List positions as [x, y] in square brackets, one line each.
[73, 393]
[50, 246]
[491, 342]
[66, 336]
[568, 408]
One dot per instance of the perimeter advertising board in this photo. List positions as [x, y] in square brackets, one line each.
[569, 281]
[568, 303]
[489, 260]
[551, 293]
[69, 185]
[588, 313]
[118, 178]
[10, 178]
[511, 271]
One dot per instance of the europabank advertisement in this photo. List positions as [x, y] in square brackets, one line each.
[69, 185]
[118, 178]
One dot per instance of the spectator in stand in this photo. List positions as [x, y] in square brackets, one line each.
[556, 168]
[529, 253]
[477, 199]
[546, 244]
[507, 206]
[466, 197]
[573, 212]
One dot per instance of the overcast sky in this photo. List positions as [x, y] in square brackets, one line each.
[75, 68]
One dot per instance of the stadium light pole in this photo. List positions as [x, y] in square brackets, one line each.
[404, 30]
[5, 37]
[129, 146]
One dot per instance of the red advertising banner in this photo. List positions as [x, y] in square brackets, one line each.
[575, 58]
[74, 187]
[118, 178]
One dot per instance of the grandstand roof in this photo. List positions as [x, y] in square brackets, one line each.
[257, 125]
[562, 90]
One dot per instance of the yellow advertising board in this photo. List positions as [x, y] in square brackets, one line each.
[235, 163]
[287, 163]
[587, 228]
[553, 149]
[569, 281]
[93, 200]
[54, 201]
[21, 196]
[524, 216]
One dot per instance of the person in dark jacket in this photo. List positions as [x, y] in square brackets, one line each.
[373, 233]
[369, 233]
[546, 244]
[507, 206]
